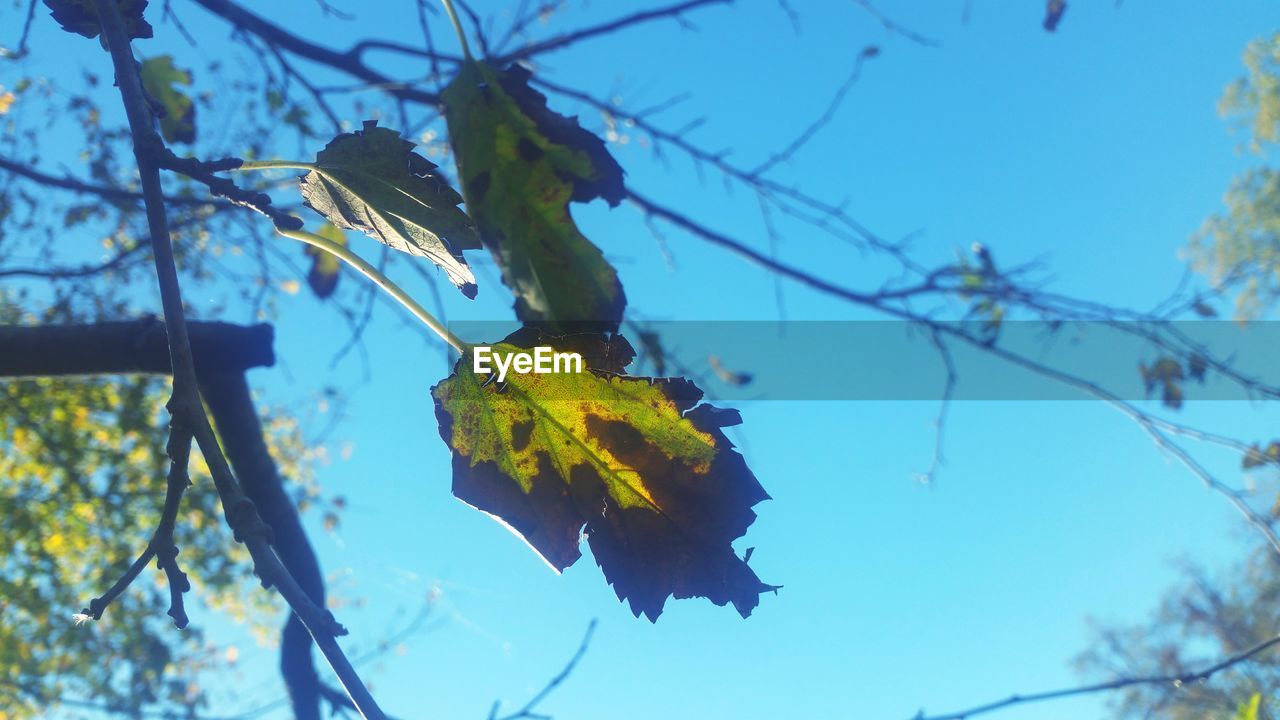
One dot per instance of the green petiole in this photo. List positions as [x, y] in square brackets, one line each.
[355, 261]
[457, 28]
[382, 281]
[275, 165]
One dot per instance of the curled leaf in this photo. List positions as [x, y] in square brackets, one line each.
[372, 181]
[81, 17]
[520, 165]
[160, 78]
[636, 461]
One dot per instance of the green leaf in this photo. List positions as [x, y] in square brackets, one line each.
[160, 78]
[323, 276]
[520, 166]
[637, 461]
[81, 17]
[1249, 710]
[372, 181]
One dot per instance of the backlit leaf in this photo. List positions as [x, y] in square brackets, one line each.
[372, 181]
[323, 276]
[637, 461]
[160, 78]
[1248, 710]
[520, 165]
[81, 17]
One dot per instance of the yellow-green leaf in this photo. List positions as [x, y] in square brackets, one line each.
[1249, 710]
[520, 165]
[372, 181]
[160, 78]
[637, 462]
[323, 276]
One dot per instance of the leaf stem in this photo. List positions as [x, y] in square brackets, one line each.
[382, 281]
[275, 165]
[457, 28]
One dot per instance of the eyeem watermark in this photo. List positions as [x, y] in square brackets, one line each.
[541, 361]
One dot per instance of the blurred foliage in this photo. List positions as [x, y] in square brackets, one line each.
[1255, 98]
[1239, 248]
[82, 481]
[82, 472]
[84, 251]
[1206, 618]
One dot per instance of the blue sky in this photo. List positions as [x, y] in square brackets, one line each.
[1097, 148]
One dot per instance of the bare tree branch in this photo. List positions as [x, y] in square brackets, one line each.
[139, 346]
[350, 62]
[103, 191]
[884, 301]
[185, 404]
[562, 41]
[231, 405]
[944, 405]
[58, 273]
[1175, 680]
[893, 27]
[161, 547]
[22, 49]
[827, 115]
[529, 711]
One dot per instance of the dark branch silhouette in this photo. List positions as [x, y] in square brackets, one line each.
[185, 404]
[560, 42]
[1175, 680]
[528, 711]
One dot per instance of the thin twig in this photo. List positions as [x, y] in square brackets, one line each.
[103, 191]
[826, 117]
[944, 406]
[1175, 680]
[22, 49]
[481, 36]
[527, 712]
[793, 16]
[570, 38]
[820, 214]
[59, 273]
[350, 62]
[161, 546]
[878, 301]
[203, 172]
[888, 24]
